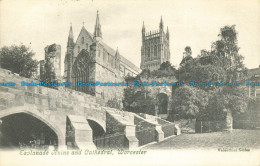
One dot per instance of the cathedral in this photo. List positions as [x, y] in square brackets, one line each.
[90, 59]
[155, 48]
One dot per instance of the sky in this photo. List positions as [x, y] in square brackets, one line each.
[194, 23]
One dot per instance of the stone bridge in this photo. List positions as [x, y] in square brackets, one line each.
[64, 110]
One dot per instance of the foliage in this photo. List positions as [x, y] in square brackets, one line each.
[189, 101]
[227, 98]
[18, 59]
[113, 103]
[222, 64]
[227, 50]
[165, 70]
[138, 100]
[186, 55]
[194, 71]
[188, 50]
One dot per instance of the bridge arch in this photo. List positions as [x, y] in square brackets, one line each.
[31, 111]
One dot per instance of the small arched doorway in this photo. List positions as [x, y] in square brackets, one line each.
[163, 100]
[22, 130]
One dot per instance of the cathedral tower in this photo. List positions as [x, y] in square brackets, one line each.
[155, 48]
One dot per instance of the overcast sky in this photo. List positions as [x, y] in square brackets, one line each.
[191, 23]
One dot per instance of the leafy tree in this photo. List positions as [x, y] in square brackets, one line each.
[231, 99]
[137, 99]
[186, 55]
[165, 70]
[167, 66]
[189, 102]
[188, 51]
[18, 59]
[222, 64]
[227, 50]
[113, 103]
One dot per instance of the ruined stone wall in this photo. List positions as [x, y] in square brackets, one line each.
[54, 53]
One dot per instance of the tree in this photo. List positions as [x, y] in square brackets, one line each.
[165, 70]
[137, 99]
[114, 103]
[222, 64]
[186, 55]
[18, 59]
[229, 99]
[189, 102]
[227, 50]
[188, 51]
[167, 66]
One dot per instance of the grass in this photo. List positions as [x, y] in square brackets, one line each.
[227, 139]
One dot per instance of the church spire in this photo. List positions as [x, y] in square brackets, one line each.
[97, 32]
[70, 38]
[143, 28]
[161, 24]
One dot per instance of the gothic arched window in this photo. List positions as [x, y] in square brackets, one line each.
[81, 71]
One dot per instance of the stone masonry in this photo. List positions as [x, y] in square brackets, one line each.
[55, 107]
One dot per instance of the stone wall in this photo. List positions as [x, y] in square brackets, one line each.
[103, 75]
[53, 106]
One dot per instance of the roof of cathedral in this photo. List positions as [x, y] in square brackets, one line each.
[110, 50]
[123, 59]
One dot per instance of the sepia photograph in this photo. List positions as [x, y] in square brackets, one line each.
[148, 82]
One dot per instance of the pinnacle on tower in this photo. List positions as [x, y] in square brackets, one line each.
[161, 24]
[143, 29]
[117, 54]
[167, 33]
[71, 37]
[97, 32]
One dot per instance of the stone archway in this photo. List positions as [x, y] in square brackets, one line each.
[162, 103]
[34, 113]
